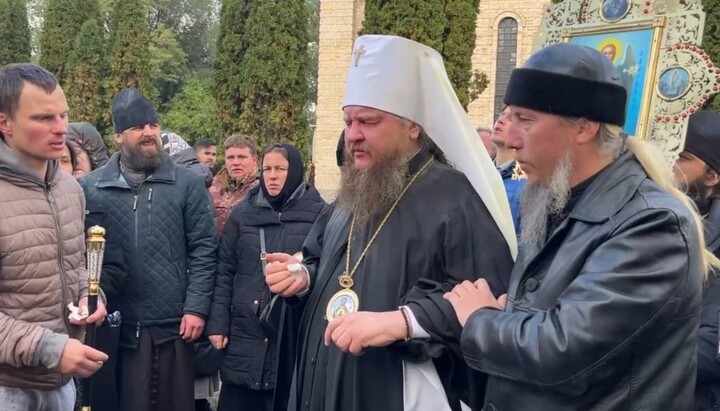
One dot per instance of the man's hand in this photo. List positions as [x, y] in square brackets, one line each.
[79, 360]
[191, 327]
[218, 341]
[466, 298]
[281, 280]
[96, 318]
[354, 332]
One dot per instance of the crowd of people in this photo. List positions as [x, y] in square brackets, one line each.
[550, 262]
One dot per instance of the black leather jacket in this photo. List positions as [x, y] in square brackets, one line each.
[707, 392]
[605, 316]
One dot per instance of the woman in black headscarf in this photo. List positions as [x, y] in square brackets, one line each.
[275, 217]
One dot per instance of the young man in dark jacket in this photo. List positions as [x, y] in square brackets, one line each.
[697, 171]
[159, 214]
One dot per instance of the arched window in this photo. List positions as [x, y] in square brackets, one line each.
[505, 60]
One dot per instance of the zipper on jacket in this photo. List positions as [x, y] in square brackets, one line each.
[135, 245]
[149, 217]
[60, 256]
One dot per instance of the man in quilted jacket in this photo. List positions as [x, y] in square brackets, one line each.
[159, 214]
[42, 244]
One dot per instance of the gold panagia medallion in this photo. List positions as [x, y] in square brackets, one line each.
[343, 302]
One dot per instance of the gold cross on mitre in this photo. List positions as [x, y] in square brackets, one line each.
[359, 52]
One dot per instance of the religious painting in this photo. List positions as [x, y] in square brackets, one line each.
[656, 46]
[674, 82]
[614, 10]
[630, 51]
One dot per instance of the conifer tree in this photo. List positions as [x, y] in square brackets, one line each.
[63, 20]
[14, 32]
[448, 26]
[261, 71]
[129, 43]
[231, 47]
[86, 71]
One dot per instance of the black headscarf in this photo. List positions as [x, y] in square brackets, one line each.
[296, 171]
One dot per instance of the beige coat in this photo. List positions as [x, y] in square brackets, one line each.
[42, 269]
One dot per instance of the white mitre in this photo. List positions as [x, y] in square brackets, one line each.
[408, 79]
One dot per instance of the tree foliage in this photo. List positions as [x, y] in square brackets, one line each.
[63, 20]
[86, 70]
[231, 48]
[14, 32]
[129, 49]
[192, 112]
[168, 63]
[273, 74]
[711, 41]
[448, 26]
[193, 23]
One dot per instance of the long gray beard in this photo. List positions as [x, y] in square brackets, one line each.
[541, 200]
[366, 193]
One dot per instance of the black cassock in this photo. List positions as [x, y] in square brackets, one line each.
[439, 235]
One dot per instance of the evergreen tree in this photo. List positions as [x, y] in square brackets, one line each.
[129, 49]
[86, 70]
[448, 26]
[63, 20]
[273, 74]
[231, 47]
[192, 112]
[711, 41]
[168, 64]
[14, 32]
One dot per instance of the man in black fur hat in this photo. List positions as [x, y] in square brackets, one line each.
[159, 214]
[603, 306]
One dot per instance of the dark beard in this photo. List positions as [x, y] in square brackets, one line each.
[366, 193]
[539, 201]
[137, 159]
[696, 191]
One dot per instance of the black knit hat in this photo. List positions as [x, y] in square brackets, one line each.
[569, 80]
[703, 138]
[130, 109]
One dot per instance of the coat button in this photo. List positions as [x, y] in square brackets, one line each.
[531, 284]
[312, 360]
[265, 341]
[256, 302]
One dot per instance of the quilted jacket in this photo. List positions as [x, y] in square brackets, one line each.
[165, 229]
[42, 269]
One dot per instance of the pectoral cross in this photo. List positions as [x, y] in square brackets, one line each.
[359, 52]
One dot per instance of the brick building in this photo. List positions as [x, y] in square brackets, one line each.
[505, 31]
